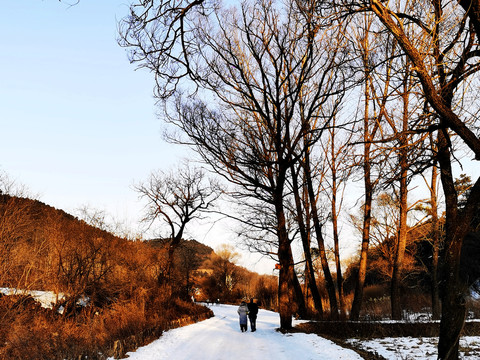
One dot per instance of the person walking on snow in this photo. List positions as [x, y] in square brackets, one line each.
[242, 313]
[252, 313]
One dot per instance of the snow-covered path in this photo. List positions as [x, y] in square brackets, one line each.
[219, 338]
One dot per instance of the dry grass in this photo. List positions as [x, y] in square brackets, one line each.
[29, 332]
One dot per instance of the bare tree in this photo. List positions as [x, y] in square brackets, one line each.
[175, 199]
[371, 125]
[402, 151]
[436, 243]
[251, 69]
[304, 219]
[318, 228]
[457, 225]
[338, 164]
[440, 39]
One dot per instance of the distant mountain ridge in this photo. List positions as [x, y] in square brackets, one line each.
[201, 249]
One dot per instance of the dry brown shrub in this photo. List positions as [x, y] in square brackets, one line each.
[31, 332]
[21, 319]
[376, 308]
[348, 300]
[415, 302]
[120, 277]
[376, 303]
[121, 321]
[375, 291]
[29, 337]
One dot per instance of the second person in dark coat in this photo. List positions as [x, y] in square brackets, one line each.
[252, 313]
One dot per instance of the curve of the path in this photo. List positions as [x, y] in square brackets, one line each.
[220, 338]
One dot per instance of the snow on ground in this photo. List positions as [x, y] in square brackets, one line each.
[45, 298]
[408, 348]
[219, 338]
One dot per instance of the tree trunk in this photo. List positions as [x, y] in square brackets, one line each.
[401, 245]
[305, 236]
[287, 273]
[395, 296]
[329, 283]
[453, 300]
[362, 267]
[435, 245]
[336, 244]
[367, 207]
[338, 265]
[458, 226]
[299, 299]
[174, 242]
[285, 287]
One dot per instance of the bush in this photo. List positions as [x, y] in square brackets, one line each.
[28, 331]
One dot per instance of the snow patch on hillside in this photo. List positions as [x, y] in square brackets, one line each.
[46, 298]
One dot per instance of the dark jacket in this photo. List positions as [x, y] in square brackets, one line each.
[252, 309]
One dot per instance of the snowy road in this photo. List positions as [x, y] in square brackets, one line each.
[219, 338]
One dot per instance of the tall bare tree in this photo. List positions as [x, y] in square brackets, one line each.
[175, 199]
[404, 153]
[436, 243]
[338, 160]
[247, 69]
[440, 39]
[366, 45]
[303, 219]
[314, 175]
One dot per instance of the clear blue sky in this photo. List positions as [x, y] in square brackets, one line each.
[77, 121]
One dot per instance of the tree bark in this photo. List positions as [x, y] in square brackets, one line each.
[171, 253]
[304, 235]
[329, 283]
[299, 298]
[367, 207]
[436, 311]
[338, 265]
[395, 295]
[285, 258]
[453, 294]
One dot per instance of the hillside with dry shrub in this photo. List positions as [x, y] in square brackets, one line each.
[109, 297]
